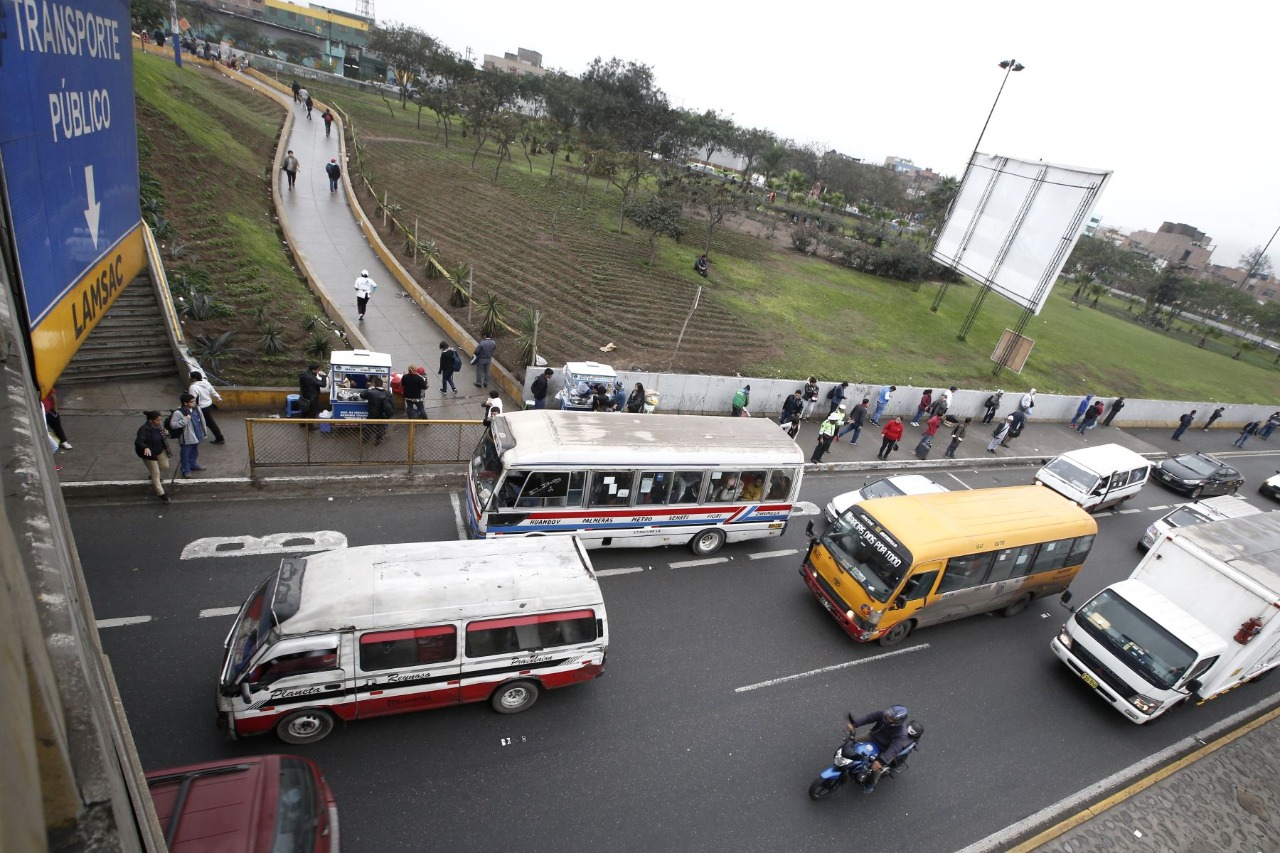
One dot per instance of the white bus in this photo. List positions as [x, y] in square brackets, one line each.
[620, 480]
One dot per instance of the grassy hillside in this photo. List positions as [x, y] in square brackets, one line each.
[205, 145]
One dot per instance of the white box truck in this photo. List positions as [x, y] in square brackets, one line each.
[1199, 616]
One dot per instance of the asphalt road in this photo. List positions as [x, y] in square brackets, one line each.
[667, 750]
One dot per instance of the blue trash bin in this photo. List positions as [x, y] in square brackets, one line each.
[293, 406]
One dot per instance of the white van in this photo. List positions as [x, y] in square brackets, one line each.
[1096, 477]
[385, 629]
[1209, 509]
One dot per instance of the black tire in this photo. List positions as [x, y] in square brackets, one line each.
[1017, 606]
[897, 633]
[514, 697]
[707, 542]
[822, 788]
[1197, 492]
[305, 726]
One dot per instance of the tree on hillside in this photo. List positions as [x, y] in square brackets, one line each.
[751, 146]
[147, 15]
[198, 16]
[772, 158]
[1256, 263]
[659, 216]
[408, 50]
[487, 96]
[561, 97]
[441, 91]
[717, 200]
[712, 132]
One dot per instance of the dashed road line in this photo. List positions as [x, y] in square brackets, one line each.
[219, 611]
[958, 480]
[768, 555]
[784, 679]
[457, 517]
[709, 561]
[605, 573]
[123, 620]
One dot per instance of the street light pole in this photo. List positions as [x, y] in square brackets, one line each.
[1009, 66]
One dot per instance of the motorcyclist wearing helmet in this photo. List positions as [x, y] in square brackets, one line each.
[888, 731]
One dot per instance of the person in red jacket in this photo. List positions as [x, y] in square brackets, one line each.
[892, 432]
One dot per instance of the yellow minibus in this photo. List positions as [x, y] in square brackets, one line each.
[889, 565]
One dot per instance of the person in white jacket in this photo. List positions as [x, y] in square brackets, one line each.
[365, 287]
[206, 395]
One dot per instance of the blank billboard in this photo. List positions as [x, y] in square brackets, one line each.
[1014, 223]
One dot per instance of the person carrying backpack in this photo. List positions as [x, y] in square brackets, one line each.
[187, 426]
[450, 363]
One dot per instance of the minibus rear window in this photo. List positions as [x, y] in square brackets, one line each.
[529, 633]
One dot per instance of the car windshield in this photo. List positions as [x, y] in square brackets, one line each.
[1151, 651]
[881, 489]
[1198, 464]
[1070, 472]
[867, 553]
[1185, 517]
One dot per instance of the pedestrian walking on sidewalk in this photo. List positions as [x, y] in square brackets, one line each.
[1249, 429]
[957, 436]
[207, 398]
[189, 426]
[810, 395]
[296, 89]
[413, 386]
[992, 403]
[539, 389]
[1000, 433]
[290, 167]
[482, 358]
[327, 116]
[922, 408]
[890, 436]
[152, 447]
[1028, 402]
[53, 418]
[931, 429]
[1017, 424]
[365, 287]
[1270, 426]
[826, 434]
[334, 171]
[853, 422]
[793, 404]
[1184, 423]
[1090, 419]
[1217, 413]
[450, 363]
[1116, 405]
[836, 395]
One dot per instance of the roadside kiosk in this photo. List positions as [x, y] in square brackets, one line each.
[349, 374]
[579, 377]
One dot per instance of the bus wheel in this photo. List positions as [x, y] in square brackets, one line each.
[707, 542]
[514, 697]
[304, 726]
[1018, 606]
[897, 633]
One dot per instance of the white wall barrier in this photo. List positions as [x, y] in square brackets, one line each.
[694, 394]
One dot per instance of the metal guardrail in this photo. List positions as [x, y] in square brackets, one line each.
[357, 442]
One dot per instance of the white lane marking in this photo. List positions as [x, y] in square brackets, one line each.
[605, 573]
[123, 620]
[219, 611]
[1158, 508]
[1068, 806]
[457, 516]
[958, 480]
[1129, 511]
[1103, 514]
[709, 561]
[769, 555]
[784, 679]
[805, 508]
[252, 546]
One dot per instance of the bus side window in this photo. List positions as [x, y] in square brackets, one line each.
[1080, 549]
[300, 663]
[611, 488]
[510, 491]
[409, 647]
[1012, 563]
[725, 486]
[551, 488]
[654, 487]
[965, 572]
[1052, 556]
[685, 487]
[752, 484]
[780, 484]
[1137, 475]
[919, 586]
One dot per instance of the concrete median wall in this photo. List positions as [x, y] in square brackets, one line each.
[712, 395]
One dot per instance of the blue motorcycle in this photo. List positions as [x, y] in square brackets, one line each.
[854, 759]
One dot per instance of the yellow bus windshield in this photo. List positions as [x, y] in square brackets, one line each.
[868, 553]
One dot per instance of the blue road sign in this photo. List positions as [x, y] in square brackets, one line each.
[69, 148]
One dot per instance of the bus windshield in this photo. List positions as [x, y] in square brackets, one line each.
[1151, 651]
[486, 463]
[867, 553]
[1070, 472]
[250, 632]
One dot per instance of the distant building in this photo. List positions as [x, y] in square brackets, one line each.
[1175, 243]
[523, 61]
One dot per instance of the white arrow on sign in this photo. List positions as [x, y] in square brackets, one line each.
[92, 212]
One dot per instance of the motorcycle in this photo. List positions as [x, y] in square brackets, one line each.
[854, 760]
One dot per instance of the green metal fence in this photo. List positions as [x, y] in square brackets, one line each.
[323, 442]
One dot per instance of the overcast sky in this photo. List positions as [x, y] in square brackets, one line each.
[1175, 98]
